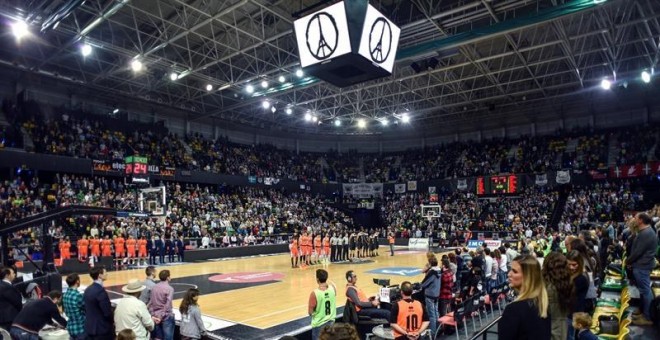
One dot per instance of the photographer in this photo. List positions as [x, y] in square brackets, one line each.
[407, 314]
[431, 287]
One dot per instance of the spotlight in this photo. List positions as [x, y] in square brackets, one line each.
[646, 76]
[249, 89]
[299, 73]
[281, 79]
[209, 87]
[136, 65]
[405, 118]
[86, 50]
[20, 29]
[289, 111]
[265, 104]
[337, 122]
[361, 123]
[115, 111]
[174, 76]
[308, 116]
[264, 84]
[384, 121]
[273, 109]
[315, 119]
[606, 84]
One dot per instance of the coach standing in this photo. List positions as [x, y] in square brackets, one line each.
[642, 260]
[98, 311]
[10, 298]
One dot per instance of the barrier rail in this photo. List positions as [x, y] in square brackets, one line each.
[483, 333]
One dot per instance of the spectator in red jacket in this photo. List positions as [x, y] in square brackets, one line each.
[446, 285]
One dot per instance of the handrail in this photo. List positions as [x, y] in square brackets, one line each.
[484, 331]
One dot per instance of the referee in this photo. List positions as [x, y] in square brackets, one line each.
[334, 241]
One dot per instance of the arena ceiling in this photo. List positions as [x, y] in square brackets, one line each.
[525, 54]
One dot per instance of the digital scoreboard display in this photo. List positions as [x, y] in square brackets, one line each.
[497, 185]
[136, 169]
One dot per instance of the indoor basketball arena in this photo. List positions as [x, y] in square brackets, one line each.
[325, 169]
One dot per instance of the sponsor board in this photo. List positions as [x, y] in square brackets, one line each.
[418, 243]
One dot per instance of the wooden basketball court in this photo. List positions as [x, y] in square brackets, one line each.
[283, 297]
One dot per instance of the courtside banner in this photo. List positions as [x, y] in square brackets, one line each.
[474, 244]
[418, 243]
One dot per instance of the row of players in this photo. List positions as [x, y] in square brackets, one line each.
[308, 248]
[123, 248]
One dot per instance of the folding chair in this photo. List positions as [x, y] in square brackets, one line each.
[455, 318]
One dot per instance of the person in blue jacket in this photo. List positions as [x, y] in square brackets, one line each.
[180, 248]
[160, 248]
[169, 246]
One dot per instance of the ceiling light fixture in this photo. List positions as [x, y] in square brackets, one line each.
[20, 29]
[606, 84]
[646, 76]
[86, 50]
[136, 65]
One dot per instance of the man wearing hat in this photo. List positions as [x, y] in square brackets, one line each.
[131, 313]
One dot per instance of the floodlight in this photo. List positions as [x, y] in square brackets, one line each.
[86, 50]
[646, 76]
[20, 29]
[136, 65]
[606, 84]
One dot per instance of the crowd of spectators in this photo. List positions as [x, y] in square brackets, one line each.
[246, 214]
[533, 208]
[74, 133]
[403, 212]
[599, 202]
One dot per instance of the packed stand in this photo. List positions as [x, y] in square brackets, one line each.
[403, 213]
[221, 217]
[635, 143]
[533, 209]
[599, 202]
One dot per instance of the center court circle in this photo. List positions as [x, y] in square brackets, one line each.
[247, 277]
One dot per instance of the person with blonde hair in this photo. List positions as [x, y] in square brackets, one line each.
[527, 317]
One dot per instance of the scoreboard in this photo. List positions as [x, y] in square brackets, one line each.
[497, 185]
[136, 169]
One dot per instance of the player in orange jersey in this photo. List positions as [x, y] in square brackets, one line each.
[120, 251]
[83, 247]
[106, 246]
[95, 245]
[130, 247]
[142, 247]
[326, 248]
[293, 249]
[65, 248]
[318, 244]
